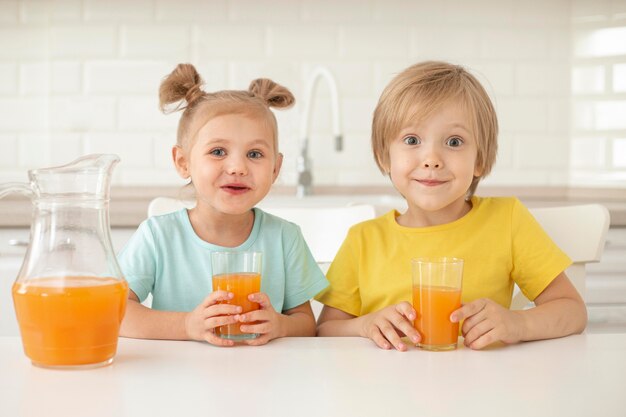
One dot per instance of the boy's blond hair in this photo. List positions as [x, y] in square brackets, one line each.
[420, 90]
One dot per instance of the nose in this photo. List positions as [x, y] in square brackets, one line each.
[432, 159]
[431, 164]
[236, 166]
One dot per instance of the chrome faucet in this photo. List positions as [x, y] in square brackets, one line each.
[303, 163]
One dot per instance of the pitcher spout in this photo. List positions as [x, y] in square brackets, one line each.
[86, 177]
[104, 162]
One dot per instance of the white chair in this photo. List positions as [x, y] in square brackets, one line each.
[164, 205]
[323, 227]
[580, 231]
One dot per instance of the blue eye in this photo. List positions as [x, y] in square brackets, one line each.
[454, 142]
[255, 154]
[217, 152]
[412, 140]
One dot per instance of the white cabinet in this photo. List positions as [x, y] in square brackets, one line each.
[13, 243]
[606, 286]
[606, 280]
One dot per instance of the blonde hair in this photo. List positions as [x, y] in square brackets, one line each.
[422, 89]
[182, 88]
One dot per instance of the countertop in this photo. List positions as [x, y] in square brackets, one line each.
[580, 375]
[128, 206]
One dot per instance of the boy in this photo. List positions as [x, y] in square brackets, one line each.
[435, 134]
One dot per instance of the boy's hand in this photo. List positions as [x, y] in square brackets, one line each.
[200, 323]
[487, 322]
[266, 321]
[387, 326]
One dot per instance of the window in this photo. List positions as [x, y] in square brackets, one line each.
[598, 86]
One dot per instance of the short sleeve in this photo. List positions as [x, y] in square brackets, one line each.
[138, 261]
[304, 278]
[537, 260]
[343, 275]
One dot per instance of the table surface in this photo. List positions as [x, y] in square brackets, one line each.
[580, 375]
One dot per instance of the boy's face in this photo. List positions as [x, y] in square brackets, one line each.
[232, 163]
[433, 162]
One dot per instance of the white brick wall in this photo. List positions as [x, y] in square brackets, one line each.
[33, 149]
[599, 109]
[23, 42]
[8, 79]
[363, 41]
[118, 10]
[9, 11]
[8, 156]
[20, 114]
[83, 41]
[81, 76]
[82, 113]
[192, 11]
[67, 146]
[156, 41]
[34, 78]
[124, 78]
[297, 41]
[66, 77]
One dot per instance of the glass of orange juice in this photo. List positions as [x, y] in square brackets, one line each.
[239, 273]
[436, 294]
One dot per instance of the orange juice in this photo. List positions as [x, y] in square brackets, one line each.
[433, 305]
[70, 321]
[241, 285]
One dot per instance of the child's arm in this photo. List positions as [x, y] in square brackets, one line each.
[145, 323]
[384, 327]
[297, 321]
[559, 311]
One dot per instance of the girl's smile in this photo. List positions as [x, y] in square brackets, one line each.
[232, 164]
[235, 188]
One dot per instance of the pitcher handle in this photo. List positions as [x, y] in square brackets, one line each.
[16, 188]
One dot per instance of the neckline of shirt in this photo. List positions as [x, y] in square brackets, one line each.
[244, 246]
[393, 214]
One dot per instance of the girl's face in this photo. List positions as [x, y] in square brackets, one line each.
[232, 164]
[433, 162]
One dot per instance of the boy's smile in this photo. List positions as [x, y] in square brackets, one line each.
[431, 182]
[432, 164]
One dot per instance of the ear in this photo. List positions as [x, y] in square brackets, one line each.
[277, 166]
[384, 166]
[180, 162]
[478, 171]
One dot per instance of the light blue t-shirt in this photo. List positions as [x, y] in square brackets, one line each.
[165, 257]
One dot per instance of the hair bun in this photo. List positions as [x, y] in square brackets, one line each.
[184, 83]
[275, 95]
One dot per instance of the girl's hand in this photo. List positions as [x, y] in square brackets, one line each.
[487, 322]
[200, 323]
[268, 323]
[387, 326]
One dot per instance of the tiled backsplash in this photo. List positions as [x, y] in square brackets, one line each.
[81, 76]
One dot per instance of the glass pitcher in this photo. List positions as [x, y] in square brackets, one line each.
[70, 295]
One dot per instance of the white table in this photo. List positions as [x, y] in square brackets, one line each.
[582, 375]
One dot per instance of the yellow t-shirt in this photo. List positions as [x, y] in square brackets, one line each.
[500, 242]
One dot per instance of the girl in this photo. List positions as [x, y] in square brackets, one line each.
[228, 149]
